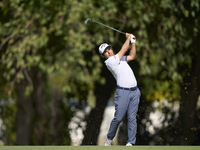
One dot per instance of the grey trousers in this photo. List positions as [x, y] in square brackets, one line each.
[125, 102]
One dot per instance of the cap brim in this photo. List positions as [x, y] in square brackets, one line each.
[106, 48]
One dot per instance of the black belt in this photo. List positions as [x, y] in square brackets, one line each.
[130, 89]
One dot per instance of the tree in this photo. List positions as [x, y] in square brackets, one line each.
[49, 54]
[167, 33]
[43, 40]
[177, 35]
[35, 38]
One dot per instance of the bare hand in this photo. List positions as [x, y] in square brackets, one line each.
[128, 35]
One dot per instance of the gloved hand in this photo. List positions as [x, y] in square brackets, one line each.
[133, 39]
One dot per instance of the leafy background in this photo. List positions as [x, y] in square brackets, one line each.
[48, 55]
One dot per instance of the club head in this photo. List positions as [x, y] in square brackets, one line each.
[87, 20]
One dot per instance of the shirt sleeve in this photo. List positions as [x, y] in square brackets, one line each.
[123, 58]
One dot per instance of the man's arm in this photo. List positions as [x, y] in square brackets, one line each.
[132, 53]
[125, 46]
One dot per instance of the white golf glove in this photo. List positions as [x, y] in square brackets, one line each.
[133, 39]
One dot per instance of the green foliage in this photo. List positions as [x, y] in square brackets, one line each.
[52, 37]
[8, 111]
[165, 32]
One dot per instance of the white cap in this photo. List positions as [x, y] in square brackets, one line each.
[102, 47]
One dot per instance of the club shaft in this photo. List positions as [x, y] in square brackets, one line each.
[108, 26]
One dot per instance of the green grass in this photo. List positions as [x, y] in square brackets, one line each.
[99, 147]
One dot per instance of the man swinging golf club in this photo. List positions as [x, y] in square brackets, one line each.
[127, 95]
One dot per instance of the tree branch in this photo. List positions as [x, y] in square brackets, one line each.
[6, 40]
[28, 78]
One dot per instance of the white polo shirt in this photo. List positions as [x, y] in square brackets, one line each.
[121, 71]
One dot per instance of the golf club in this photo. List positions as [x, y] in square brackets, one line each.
[103, 25]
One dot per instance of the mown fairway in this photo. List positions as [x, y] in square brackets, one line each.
[99, 148]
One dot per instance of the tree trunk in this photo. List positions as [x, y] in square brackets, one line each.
[39, 97]
[25, 115]
[188, 121]
[32, 114]
[94, 120]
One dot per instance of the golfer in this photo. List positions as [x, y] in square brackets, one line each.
[127, 95]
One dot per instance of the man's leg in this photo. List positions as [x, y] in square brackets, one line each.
[121, 105]
[131, 114]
